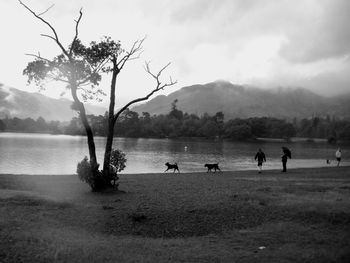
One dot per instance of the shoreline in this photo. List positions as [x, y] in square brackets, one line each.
[224, 172]
[204, 139]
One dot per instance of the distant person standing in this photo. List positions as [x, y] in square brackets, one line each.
[286, 154]
[260, 156]
[338, 156]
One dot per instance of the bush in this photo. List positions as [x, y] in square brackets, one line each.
[95, 178]
[117, 163]
[85, 172]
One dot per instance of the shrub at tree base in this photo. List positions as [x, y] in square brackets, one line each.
[117, 163]
[84, 172]
[95, 178]
[92, 177]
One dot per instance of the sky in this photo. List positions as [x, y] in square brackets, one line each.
[262, 43]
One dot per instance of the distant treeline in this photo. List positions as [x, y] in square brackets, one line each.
[178, 124]
[30, 125]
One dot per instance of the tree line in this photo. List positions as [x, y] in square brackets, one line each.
[177, 124]
[40, 125]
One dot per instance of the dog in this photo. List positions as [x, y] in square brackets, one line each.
[211, 166]
[172, 166]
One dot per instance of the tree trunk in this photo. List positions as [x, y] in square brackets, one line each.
[111, 121]
[89, 133]
[90, 139]
[108, 148]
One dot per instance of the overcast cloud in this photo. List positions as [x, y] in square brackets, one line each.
[266, 43]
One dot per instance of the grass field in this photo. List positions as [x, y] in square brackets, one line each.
[300, 216]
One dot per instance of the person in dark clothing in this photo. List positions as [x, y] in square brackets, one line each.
[284, 162]
[286, 154]
[260, 156]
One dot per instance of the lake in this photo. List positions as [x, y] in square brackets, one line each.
[24, 153]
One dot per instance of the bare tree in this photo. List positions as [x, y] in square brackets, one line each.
[112, 118]
[80, 67]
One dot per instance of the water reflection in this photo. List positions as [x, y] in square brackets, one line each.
[22, 153]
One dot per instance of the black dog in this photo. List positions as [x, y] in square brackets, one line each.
[172, 166]
[211, 166]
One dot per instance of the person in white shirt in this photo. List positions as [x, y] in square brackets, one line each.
[338, 156]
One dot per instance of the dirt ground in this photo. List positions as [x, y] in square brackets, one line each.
[300, 216]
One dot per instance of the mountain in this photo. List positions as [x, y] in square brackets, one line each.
[237, 101]
[21, 104]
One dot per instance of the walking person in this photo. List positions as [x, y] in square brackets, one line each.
[260, 156]
[338, 156]
[286, 154]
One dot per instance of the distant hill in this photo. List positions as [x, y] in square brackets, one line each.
[237, 101]
[21, 104]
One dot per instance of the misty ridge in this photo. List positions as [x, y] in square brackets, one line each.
[214, 110]
[235, 101]
[22, 104]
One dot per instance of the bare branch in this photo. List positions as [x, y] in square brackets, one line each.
[156, 77]
[56, 39]
[46, 10]
[148, 70]
[76, 31]
[136, 57]
[159, 86]
[160, 72]
[44, 35]
[134, 53]
[38, 57]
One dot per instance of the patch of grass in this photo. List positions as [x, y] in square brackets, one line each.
[23, 201]
[322, 218]
[234, 217]
[303, 188]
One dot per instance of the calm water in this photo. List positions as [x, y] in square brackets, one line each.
[22, 153]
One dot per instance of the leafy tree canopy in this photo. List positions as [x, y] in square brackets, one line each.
[83, 65]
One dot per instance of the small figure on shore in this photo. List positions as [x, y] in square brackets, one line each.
[338, 156]
[286, 154]
[260, 156]
[172, 166]
[211, 166]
